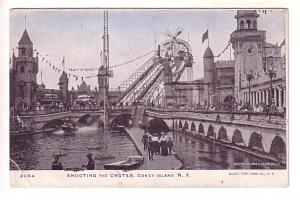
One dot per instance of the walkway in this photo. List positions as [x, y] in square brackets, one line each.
[159, 162]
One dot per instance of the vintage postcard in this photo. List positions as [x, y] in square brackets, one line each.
[148, 97]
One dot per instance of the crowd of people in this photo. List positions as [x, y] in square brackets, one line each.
[159, 145]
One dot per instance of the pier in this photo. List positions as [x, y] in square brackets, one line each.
[170, 162]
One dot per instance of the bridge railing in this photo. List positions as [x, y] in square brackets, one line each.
[124, 108]
[256, 117]
[39, 112]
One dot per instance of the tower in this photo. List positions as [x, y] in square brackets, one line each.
[247, 43]
[103, 71]
[102, 85]
[24, 70]
[209, 76]
[63, 86]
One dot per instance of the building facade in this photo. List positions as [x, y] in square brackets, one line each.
[260, 68]
[218, 81]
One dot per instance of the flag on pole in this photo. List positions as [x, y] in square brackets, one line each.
[205, 36]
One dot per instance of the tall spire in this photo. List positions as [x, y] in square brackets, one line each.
[106, 41]
[25, 21]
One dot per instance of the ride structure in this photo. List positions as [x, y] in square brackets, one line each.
[147, 84]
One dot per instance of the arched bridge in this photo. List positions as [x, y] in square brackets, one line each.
[47, 120]
[257, 134]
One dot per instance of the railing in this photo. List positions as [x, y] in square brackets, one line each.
[229, 116]
[46, 111]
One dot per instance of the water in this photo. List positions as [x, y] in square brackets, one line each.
[200, 154]
[36, 151]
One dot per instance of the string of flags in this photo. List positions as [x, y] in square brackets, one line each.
[227, 46]
[44, 59]
[113, 66]
[52, 66]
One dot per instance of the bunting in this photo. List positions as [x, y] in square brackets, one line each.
[76, 77]
[113, 66]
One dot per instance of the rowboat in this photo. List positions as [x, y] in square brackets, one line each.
[132, 162]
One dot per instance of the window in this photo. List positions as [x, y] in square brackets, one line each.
[249, 24]
[22, 69]
[242, 24]
[250, 50]
[23, 51]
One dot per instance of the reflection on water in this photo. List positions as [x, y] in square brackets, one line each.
[200, 154]
[36, 151]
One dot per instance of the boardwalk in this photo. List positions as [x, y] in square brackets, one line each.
[160, 162]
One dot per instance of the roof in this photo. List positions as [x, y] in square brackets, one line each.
[25, 39]
[208, 53]
[63, 77]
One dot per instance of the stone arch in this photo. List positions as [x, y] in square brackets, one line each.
[278, 147]
[83, 119]
[222, 134]
[211, 131]
[122, 119]
[255, 141]
[185, 126]
[193, 127]
[237, 137]
[180, 124]
[200, 128]
[241, 24]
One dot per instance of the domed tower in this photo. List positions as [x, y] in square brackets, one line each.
[25, 69]
[247, 43]
[209, 75]
[63, 86]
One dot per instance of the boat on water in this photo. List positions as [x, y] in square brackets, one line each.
[68, 127]
[31, 132]
[132, 162]
[118, 129]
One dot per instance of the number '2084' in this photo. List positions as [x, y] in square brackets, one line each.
[26, 175]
